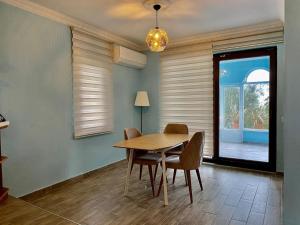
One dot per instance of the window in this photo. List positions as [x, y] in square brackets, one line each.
[186, 90]
[259, 75]
[92, 84]
[256, 100]
[231, 107]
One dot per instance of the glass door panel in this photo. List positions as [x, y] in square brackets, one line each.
[244, 101]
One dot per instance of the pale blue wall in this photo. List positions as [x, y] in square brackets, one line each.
[150, 81]
[291, 113]
[36, 96]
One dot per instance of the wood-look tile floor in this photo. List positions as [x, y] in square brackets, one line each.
[18, 212]
[230, 197]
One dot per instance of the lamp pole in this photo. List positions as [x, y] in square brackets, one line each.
[142, 100]
[141, 119]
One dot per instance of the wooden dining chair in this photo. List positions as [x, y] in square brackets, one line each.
[190, 159]
[176, 128]
[142, 157]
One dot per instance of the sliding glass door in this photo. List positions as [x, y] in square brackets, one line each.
[245, 108]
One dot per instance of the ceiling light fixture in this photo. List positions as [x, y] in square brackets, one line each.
[157, 38]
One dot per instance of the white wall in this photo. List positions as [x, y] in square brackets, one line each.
[292, 112]
[280, 105]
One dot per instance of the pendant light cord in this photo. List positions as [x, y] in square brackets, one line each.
[156, 8]
[156, 19]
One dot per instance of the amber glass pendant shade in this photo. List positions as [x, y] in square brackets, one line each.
[157, 39]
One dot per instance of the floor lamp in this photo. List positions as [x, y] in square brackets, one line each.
[142, 100]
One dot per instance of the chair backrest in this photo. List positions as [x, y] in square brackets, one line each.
[176, 128]
[131, 133]
[191, 156]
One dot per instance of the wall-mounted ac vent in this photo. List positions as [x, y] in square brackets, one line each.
[128, 57]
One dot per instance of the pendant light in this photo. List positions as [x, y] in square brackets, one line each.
[157, 38]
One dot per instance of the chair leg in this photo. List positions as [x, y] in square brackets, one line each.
[160, 184]
[151, 179]
[174, 175]
[188, 172]
[141, 171]
[155, 172]
[185, 177]
[199, 179]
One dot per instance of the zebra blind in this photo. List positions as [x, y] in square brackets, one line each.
[186, 89]
[92, 84]
[252, 41]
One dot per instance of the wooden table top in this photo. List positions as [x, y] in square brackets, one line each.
[153, 142]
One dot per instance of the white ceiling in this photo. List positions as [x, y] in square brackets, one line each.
[183, 18]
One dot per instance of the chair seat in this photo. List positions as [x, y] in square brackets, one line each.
[173, 162]
[148, 158]
[175, 152]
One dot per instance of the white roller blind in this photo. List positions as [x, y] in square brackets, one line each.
[92, 84]
[254, 41]
[186, 90]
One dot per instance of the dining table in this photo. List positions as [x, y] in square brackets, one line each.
[156, 143]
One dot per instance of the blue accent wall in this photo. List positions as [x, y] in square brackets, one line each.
[237, 72]
[36, 96]
[257, 137]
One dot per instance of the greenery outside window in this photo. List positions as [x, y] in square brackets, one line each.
[256, 100]
[231, 107]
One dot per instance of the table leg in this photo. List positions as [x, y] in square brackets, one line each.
[164, 171]
[128, 171]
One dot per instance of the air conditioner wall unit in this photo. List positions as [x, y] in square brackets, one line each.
[128, 57]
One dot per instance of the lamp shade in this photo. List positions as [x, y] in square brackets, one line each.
[142, 99]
